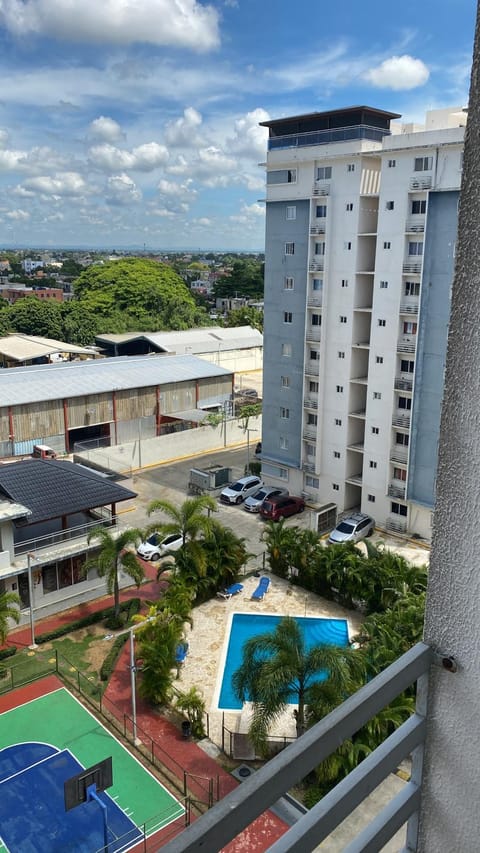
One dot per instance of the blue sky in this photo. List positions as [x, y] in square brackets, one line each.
[135, 122]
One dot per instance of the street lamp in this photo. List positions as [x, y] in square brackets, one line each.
[133, 673]
[31, 557]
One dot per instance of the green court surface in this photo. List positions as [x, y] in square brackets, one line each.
[60, 720]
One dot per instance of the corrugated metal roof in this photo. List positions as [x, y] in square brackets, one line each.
[19, 385]
[26, 347]
[205, 339]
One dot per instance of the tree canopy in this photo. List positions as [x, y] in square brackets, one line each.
[245, 279]
[134, 294]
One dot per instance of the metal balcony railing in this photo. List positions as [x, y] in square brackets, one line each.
[414, 226]
[310, 403]
[61, 537]
[402, 384]
[401, 421]
[397, 524]
[317, 265]
[215, 829]
[399, 455]
[409, 308]
[424, 183]
[314, 301]
[397, 492]
[309, 432]
[324, 137]
[321, 188]
[414, 267]
[312, 367]
[317, 229]
[406, 345]
[313, 334]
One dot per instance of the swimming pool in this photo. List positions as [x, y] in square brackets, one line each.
[246, 625]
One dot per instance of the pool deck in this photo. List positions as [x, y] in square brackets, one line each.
[208, 640]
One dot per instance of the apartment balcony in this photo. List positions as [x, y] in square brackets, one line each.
[401, 421]
[317, 229]
[412, 267]
[314, 301]
[361, 344]
[310, 403]
[310, 433]
[399, 455]
[396, 523]
[406, 345]
[308, 466]
[363, 308]
[325, 137]
[313, 334]
[397, 491]
[360, 380]
[221, 824]
[359, 413]
[317, 265]
[357, 448]
[424, 183]
[355, 479]
[312, 367]
[62, 541]
[321, 188]
[409, 307]
[414, 226]
[402, 384]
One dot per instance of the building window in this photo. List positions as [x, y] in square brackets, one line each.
[283, 442]
[339, 389]
[288, 283]
[319, 248]
[389, 205]
[317, 284]
[287, 349]
[313, 482]
[313, 387]
[383, 285]
[338, 422]
[282, 176]
[415, 248]
[287, 317]
[341, 354]
[400, 474]
[336, 454]
[312, 420]
[291, 211]
[419, 206]
[314, 355]
[343, 319]
[335, 487]
[316, 319]
[284, 413]
[409, 328]
[412, 288]
[371, 498]
[407, 366]
[375, 430]
[350, 167]
[275, 471]
[387, 244]
[391, 164]
[377, 395]
[405, 403]
[399, 509]
[289, 248]
[349, 207]
[422, 164]
[347, 245]
[401, 438]
[285, 381]
[373, 464]
[379, 359]
[382, 322]
[321, 211]
[324, 173]
[311, 450]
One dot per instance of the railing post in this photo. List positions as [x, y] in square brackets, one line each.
[184, 783]
[417, 763]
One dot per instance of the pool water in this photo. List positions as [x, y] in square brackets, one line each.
[246, 625]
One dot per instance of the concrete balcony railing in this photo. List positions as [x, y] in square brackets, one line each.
[221, 824]
[355, 479]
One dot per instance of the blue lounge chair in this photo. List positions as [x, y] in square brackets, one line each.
[181, 652]
[234, 589]
[261, 589]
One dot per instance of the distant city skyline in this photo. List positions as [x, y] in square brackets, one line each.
[137, 124]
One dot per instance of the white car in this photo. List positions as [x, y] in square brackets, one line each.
[154, 547]
[353, 528]
[241, 489]
[255, 501]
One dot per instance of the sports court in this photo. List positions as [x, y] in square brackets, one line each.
[48, 740]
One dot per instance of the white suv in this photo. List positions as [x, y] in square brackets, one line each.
[352, 528]
[241, 489]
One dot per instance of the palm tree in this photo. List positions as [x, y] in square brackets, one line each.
[279, 541]
[113, 556]
[277, 666]
[189, 519]
[157, 643]
[225, 553]
[9, 609]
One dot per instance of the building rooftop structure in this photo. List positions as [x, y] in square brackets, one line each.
[208, 339]
[26, 348]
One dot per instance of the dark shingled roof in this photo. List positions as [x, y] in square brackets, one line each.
[52, 488]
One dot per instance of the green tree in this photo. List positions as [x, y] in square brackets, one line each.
[33, 316]
[113, 556]
[226, 554]
[188, 520]
[278, 665]
[79, 325]
[246, 316]
[245, 279]
[9, 609]
[280, 541]
[157, 643]
[192, 704]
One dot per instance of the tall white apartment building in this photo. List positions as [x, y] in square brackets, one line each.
[360, 243]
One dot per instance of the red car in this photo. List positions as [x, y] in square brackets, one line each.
[281, 506]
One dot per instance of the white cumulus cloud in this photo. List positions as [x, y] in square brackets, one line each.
[105, 129]
[121, 190]
[183, 23]
[249, 139]
[398, 73]
[18, 215]
[144, 158]
[182, 131]
[60, 184]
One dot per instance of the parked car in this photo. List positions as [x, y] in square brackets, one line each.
[281, 506]
[353, 528]
[241, 489]
[255, 501]
[155, 547]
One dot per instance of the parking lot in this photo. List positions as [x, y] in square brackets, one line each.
[170, 482]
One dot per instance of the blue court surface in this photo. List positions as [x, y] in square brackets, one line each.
[32, 810]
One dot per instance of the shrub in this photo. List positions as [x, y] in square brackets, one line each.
[128, 607]
[108, 664]
[7, 653]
